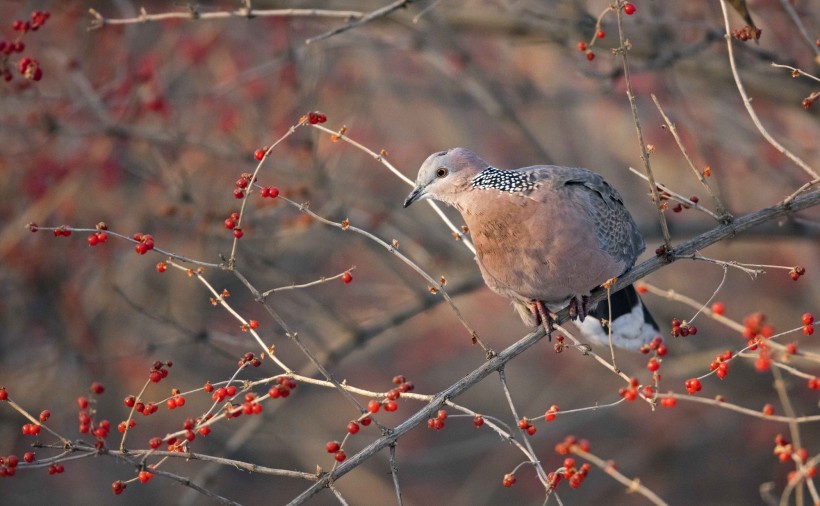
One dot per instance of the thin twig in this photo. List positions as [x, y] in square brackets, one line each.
[394, 471]
[341, 135]
[370, 16]
[542, 475]
[747, 102]
[99, 20]
[677, 196]
[435, 284]
[631, 484]
[623, 50]
[789, 8]
[721, 209]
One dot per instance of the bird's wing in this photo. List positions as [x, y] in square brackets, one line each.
[615, 230]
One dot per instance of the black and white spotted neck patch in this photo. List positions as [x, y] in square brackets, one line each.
[503, 180]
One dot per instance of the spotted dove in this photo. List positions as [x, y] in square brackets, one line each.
[545, 237]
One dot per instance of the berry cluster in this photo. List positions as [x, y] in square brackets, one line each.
[176, 400]
[437, 423]
[785, 452]
[28, 67]
[86, 416]
[158, 371]
[551, 413]
[99, 236]
[796, 272]
[808, 324]
[526, 426]
[574, 476]
[721, 364]
[692, 386]
[655, 345]
[683, 329]
[250, 358]
[118, 487]
[8, 465]
[747, 33]
[316, 117]
[251, 405]
[509, 480]
[336, 448]
[61, 231]
[242, 184]
[145, 243]
[282, 388]
[630, 393]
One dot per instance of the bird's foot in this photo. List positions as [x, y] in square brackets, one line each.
[579, 309]
[543, 317]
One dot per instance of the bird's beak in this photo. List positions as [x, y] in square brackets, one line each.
[416, 194]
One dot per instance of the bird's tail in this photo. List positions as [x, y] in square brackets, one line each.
[632, 324]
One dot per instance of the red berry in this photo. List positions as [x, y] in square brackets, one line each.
[239, 193]
[590, 55]
[668, 402]
[254, 324]
[808, 319]
[118, 487]
[347, 277]
[582, 46]
[28, 457]
[259, 154]
[629, 9]
[366, 421]
[93, 240]
[321, 118]
[230, 390]
[808, 330]
[718, 308]
[97, 388]
[653, 364]
[768, 410]
[230, 223]
[82, 402]
[353, 427]
[601, 34]
[313, 118]
[391, 406]
[441, 415]
[693, 385]
[340, 456]
[162, 266]
[478, 421]
[238, 233]
[4, 395]
[531, 430]
[509, 480]
[332, 446]
[44, 415]
[374, 406]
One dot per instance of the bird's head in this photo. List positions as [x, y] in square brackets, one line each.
[446, 175]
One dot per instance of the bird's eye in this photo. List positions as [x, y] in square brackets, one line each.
[441, 172]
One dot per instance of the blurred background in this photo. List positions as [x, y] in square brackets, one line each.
[147, 127]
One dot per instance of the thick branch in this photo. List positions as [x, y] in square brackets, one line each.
[717, 234]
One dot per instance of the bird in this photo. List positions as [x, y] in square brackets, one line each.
[545, 236]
